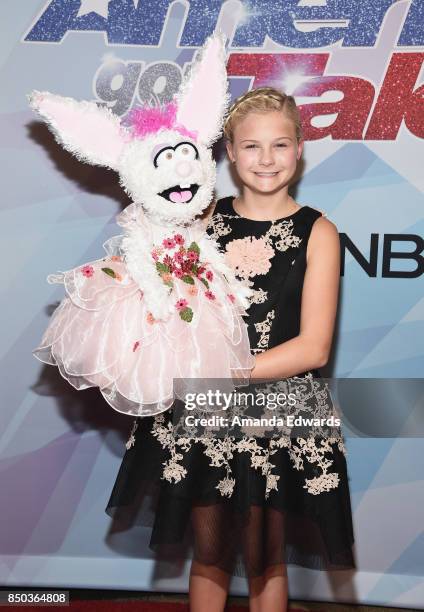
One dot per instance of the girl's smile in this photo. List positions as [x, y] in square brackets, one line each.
[266, 151]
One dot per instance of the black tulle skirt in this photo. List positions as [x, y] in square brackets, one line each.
[249, 508]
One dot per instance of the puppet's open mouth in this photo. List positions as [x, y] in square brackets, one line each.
[180, 194]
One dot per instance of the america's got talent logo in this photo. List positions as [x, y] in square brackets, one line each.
[363, 110]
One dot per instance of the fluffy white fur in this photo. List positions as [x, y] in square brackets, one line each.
[143, 182]
[92, 133]
[95, 135]
[197, 111]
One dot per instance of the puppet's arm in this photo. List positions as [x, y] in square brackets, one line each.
[211, 254]
[137, 248]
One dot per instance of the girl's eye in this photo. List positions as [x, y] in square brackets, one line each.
[250, 146]
[281, 144]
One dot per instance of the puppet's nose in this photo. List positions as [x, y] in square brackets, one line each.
[183, 168]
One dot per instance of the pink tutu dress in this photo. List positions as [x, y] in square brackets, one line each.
[103, 334]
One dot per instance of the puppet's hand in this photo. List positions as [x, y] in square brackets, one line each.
[159, 303]
[241, 291]
[141, 267]
[211, 253]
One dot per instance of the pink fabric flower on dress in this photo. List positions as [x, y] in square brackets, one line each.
[166, 277]
[210, 295]
[231, 297]
[192, 290]
[192, 256]
[178, 273]
[209, 275]
[181, 304]
[178, 257]
[150, 318]
[168, 243]
[249, 256]
[178, 239]
[87, 271]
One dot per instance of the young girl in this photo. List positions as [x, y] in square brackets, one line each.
[274, 500]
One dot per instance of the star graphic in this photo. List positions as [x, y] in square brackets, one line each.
[94, 6]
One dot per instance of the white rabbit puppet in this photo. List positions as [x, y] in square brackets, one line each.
[162, 304]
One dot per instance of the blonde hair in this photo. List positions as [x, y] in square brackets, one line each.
[262, 100]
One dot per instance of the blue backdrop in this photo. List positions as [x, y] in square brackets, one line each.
[356, 69]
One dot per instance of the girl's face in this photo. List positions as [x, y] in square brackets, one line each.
[265, 150]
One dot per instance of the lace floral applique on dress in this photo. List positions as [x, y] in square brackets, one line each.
[314, 452]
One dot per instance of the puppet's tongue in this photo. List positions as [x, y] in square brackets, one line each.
[180, 196]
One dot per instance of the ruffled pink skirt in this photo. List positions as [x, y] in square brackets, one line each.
[103, 335]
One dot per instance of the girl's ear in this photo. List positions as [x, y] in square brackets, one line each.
[230, 151]
[93, 134]
[299, 149]
[203, 99]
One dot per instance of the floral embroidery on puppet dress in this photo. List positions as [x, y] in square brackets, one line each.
[182, 264]
[88, 270]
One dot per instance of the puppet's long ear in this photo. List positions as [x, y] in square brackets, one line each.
[92, 133]
[203, 99]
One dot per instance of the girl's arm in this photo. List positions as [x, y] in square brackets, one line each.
[207, 214]
[311, 348]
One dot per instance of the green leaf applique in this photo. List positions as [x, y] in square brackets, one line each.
[188, 279]
[160, 267]
[109, 272]
[194, 247]
[186, 314]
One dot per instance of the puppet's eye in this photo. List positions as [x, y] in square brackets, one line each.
[164, 156]
[187, 151]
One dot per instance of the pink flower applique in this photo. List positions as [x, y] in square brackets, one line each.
[210, 295]
[209, 275]
[179, 239]
[182, 303]
[249, 256]
[231, 297]
[178, 273]
[135, 346]
[168, 243]
[150, 318]
[179, 257]
[192, 290]
[166, 277]
[192, 256]
[87, 271]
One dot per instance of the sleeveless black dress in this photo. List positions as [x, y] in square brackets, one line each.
[256, 500]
